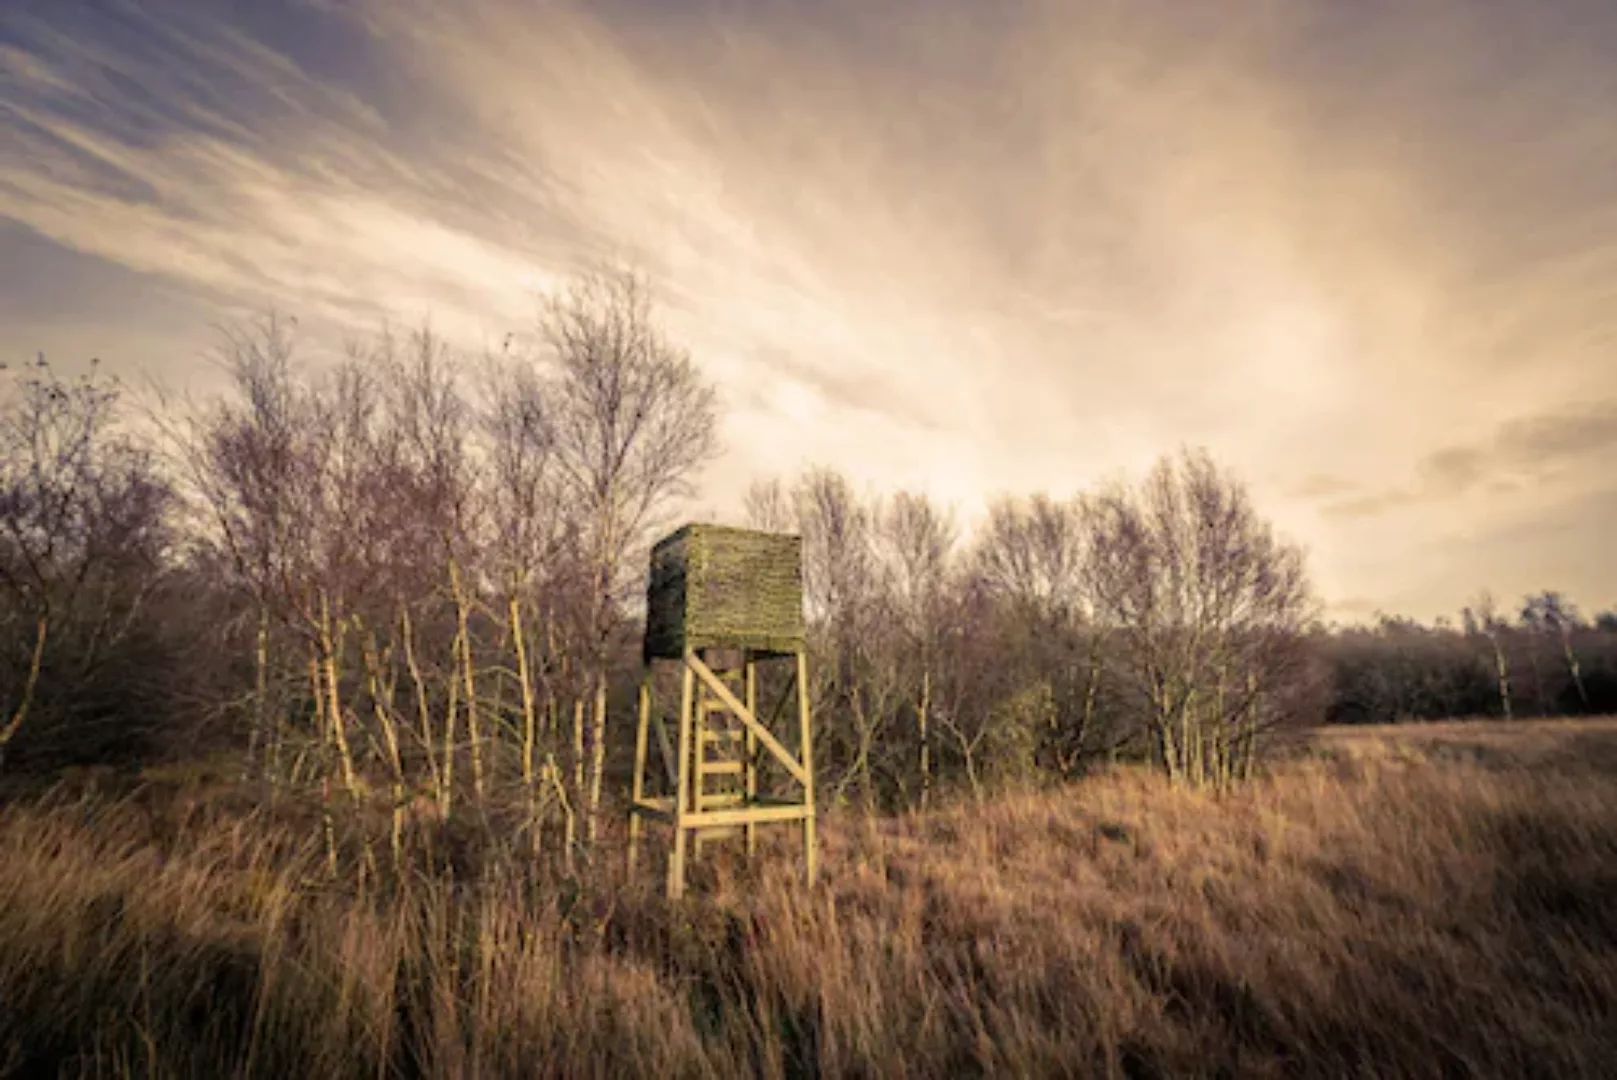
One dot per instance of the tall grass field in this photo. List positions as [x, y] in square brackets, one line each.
[1432, 900]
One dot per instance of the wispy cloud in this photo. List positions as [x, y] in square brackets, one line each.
[1320, 485]
[1004, 246]
[1573, 445]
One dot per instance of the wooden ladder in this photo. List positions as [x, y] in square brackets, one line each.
[722, 754]
[712, 778]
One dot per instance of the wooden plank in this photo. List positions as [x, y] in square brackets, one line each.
[713, 705]
[712, 767]
[764, 735]
[706, 705]
[741, 815]
[786, 694]
[772, 800]
[682, 795]
[670, 763]
[656, 809]
[644, 719]
[805, 727]
[750, 693]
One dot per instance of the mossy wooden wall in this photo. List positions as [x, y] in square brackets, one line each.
[717, 586]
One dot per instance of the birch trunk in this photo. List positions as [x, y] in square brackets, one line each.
[530, 722]
[598, 759]
[383, 712]
[257, 735]
[331, 635]
[451, 711]
[423, 710]
[30, 686]
[469, 678]
[1573, 667]
[1502, 669]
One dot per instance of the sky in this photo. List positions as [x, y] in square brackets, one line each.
[1364, 252]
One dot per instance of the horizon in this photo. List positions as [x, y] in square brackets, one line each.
[1367, 259]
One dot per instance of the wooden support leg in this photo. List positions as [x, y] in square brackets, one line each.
[635, 824]
[750, 767]
[806, 756]
[699, 753]
[682, 796]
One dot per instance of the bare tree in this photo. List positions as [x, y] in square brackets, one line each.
[1031, 557]
[426, 455]
[846, 608]
[533, 553]
[1032, 552]
[1549, 613]
[245, 465]
[632, 422]
[1211, 608]
[1531, 620]
[768, 506]
[880, 581]
[916, 543]
[306, 488]
[83, 533]
[1482, 617]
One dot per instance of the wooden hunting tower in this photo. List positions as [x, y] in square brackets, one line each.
[720, 602]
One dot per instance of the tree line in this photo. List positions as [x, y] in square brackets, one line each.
[1543, 659]
[407, 585]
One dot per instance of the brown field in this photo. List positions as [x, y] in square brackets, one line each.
[1434, 900]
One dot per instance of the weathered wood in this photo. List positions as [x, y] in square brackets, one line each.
[750, 684]
[742, 815]
[705, 708]
[656, 809]
[697, 812]
[763, 812]
[714, 586]
[682, 799]
[806, 748]
[741, 712]
[643, 721]
[720, 601]
[666, 751]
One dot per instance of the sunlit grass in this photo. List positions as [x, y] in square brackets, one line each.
[1415, 901]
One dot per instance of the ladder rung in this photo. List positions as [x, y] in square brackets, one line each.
[721, 766]
[722, 736]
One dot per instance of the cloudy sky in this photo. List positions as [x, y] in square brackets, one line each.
[1365, 252]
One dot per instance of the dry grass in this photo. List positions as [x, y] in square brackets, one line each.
[1434, 901]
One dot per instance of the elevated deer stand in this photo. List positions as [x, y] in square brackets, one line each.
[721, 602]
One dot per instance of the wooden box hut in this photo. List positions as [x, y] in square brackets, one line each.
[714, 586]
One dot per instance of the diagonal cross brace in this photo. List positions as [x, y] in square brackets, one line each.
[666, 749]
[731, 702]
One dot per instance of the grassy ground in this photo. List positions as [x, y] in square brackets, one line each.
[1434, 901]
